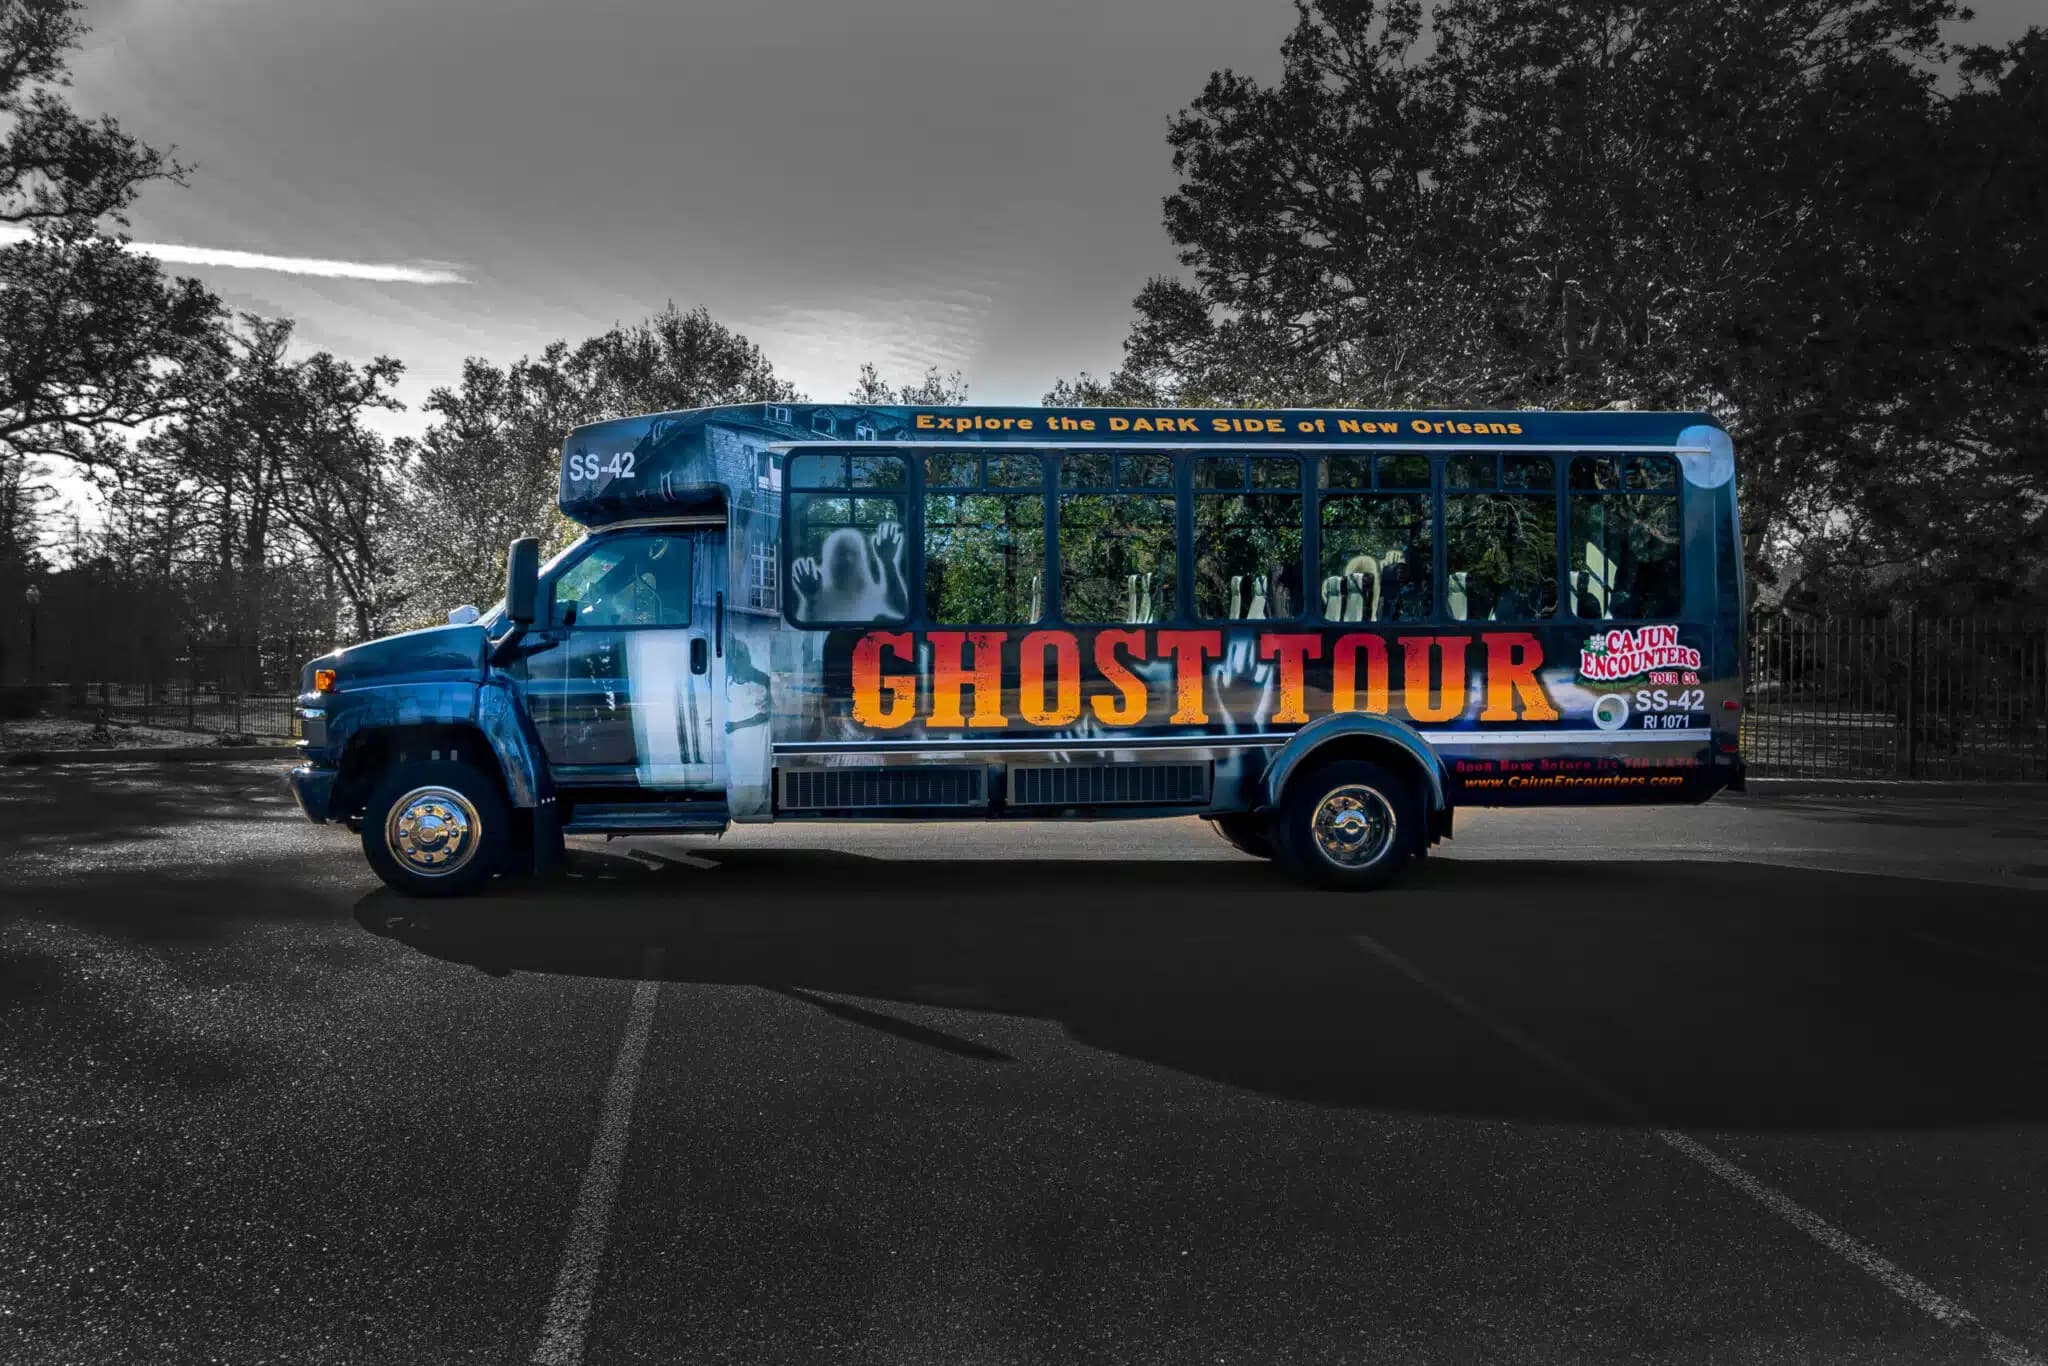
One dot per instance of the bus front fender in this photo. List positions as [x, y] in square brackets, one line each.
[507, 728]
[1355, 735]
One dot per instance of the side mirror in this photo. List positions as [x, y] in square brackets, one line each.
[463, 615]
[522, 580]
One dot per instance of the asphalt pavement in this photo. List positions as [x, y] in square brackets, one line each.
[1756, 1081]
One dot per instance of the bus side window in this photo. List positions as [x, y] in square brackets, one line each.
[1624, 537]
[845, 529]
[1116, 536]
[1500, 536]
[1248, 540]
[984, 538]
[1377, 558]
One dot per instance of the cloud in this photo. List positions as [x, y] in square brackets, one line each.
[383, 272]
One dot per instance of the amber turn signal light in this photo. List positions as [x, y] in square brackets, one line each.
[323, 680]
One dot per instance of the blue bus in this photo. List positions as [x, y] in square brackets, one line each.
[1322, 631]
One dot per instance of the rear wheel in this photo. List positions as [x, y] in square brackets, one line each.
[437, 827]
[1246, 833]
[1349, 826]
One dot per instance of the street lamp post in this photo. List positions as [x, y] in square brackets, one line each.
[33, 597]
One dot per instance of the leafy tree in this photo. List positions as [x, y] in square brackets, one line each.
[1769, 210]
[1945, 492]
[938, 389]
[484, 473]
[487, 469]
[92, 337]
[673, 360]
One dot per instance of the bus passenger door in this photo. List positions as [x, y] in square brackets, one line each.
[631, 694]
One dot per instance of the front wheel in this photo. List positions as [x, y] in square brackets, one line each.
[435, 828]
[1349, 826]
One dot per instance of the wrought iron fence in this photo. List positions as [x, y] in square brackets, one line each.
[1905, 696]
[162, 713]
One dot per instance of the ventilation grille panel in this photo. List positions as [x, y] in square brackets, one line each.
[872, 788]
[1109, 784]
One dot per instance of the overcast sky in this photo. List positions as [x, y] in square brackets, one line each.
[910, 181]
[969, 182]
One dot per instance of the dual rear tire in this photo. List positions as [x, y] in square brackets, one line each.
[1351, 825]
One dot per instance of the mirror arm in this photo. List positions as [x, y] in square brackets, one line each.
[522, 642]
[506, 648]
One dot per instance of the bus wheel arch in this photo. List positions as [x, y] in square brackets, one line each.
[373, 752]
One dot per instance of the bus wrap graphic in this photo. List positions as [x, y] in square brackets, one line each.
[910, 580]
[1189, 680]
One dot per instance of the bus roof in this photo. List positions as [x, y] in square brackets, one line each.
[789, 424]
[713, 459]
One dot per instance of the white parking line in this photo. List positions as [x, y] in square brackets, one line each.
[1860, 1255]
[562, 1335]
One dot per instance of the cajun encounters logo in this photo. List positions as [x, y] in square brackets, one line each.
[1621, 657]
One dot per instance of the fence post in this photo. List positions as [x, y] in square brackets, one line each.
[1912, 685]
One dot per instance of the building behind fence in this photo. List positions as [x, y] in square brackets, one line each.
[1905, 696]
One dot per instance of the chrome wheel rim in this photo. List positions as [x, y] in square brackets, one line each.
[432, 831]
[1354, 826]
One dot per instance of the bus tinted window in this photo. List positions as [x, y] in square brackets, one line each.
[1624, 537]
[1402, 472]
[846, 539]
[1500, 539]
[1247, 545]
[952, 471]
[1219, 472]
[1117, 560]
[1377, 562]
[1087, 470]
[817, 471]
[1472, 472]
[1348, 472]
[984, 539]
[875, 471]
[626, 581]
[1144, 470]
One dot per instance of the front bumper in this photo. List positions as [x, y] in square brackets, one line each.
[313, 788]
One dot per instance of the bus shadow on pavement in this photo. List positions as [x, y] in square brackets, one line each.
[1713, 995]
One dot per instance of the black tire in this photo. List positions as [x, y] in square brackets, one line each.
[1389, 825]
[1246, 833]
[442, 793]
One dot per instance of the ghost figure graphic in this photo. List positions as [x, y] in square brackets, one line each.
[852, 579]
